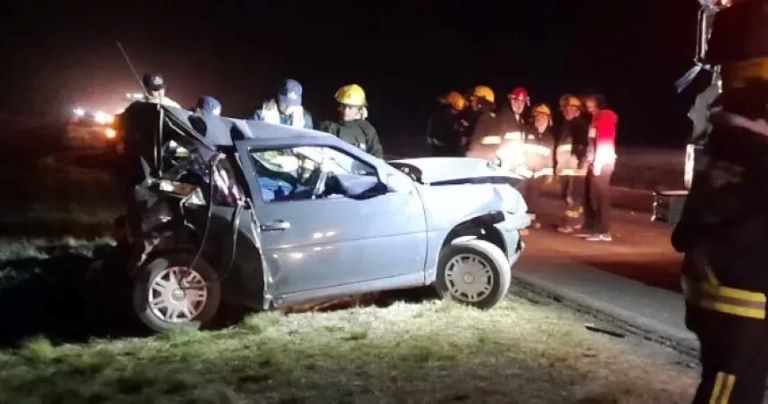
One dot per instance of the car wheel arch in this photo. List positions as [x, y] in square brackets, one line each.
[479, 228]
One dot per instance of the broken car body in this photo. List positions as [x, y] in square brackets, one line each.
[267, 216]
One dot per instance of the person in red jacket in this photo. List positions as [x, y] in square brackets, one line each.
[602, 136]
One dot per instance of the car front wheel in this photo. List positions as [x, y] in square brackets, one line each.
[168, 295]
[473, 272]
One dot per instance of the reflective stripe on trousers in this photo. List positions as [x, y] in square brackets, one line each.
[713, 296]
[721, 393]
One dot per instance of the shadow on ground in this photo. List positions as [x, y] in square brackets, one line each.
[58, 299]
[66, 299]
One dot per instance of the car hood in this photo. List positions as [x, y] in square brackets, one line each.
[454, 170]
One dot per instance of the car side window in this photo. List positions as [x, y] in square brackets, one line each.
[300, 173]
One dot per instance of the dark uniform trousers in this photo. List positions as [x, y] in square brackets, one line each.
[598, 213]
[533, 195]
[724, 234]
[575, 197]
[734, 356]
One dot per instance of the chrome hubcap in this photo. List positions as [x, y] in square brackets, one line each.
[177, 294]
[469, 277]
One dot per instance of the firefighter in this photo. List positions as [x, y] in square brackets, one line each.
[352, 126]
[286, 108]
[154, 85]
[511, 127]
[602, 134]
[572, 161]
[446, 130]
[723, 230]
[511, 119]
[538, 158]
[485, 136]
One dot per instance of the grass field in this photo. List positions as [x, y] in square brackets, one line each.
[52, 187]
[522, 351]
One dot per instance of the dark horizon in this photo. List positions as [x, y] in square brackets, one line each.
[403, 54]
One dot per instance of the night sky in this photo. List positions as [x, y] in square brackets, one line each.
[404, 53]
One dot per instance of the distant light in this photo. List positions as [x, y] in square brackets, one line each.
[103, 118]
[110, 133]
[79, 112]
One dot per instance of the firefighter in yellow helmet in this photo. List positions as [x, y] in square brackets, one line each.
[572, 161]
[538, 158]
[352, 125]
[447, 127]
[484, 128]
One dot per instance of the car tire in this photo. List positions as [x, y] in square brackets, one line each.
[473, 272]
[162, 305]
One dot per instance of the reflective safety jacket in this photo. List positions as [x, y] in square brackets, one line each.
[724, 225]
[572, 145]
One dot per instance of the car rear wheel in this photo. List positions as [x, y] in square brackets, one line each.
[473, 272]
[168, 295]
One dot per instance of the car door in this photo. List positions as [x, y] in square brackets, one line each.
[313, 242]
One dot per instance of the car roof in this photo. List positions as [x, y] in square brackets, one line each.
[221, 131]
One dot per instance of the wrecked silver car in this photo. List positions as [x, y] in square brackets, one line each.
[264, 216]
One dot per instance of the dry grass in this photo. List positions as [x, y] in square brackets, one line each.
[21, 258]
[429, 352]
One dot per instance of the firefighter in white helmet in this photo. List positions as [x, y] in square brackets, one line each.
[352, 125]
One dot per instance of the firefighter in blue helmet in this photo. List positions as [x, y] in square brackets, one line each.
[286, 109]
[723, 230]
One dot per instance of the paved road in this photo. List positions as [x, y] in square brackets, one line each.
[634, 279]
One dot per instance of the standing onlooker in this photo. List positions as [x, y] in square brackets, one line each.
[573, 144]
[602, 133]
